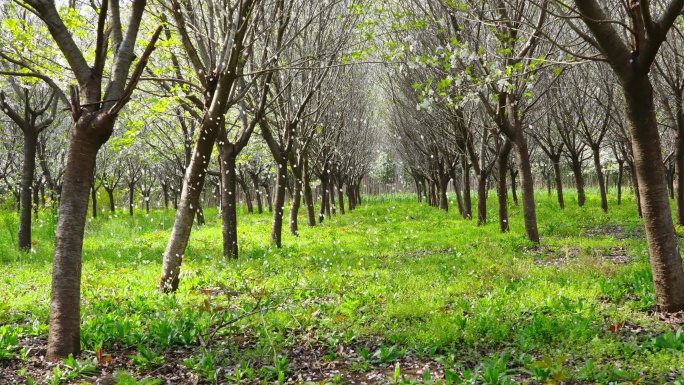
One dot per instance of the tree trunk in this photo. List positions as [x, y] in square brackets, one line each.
[679, 168]
[332, 207]
[457, 189]
[527, 186]
[200, 215]
[467, 200]
[165, 190]
[257, 191]
[281, 182]
[547, 177]
[228, 203]
[501, 188]
[482, 198]
[294, 210]
[579, 179]
[308, 196]
[269, 199]
[131, 197]
[599, 174]
[248, 195]
[28, 170]
[443, 187]
[87, 136]
[17, 196]
[324, 195]
[146, 196]
[559, 181]
[420, 198]
[350, 197]
[621, 171]
[426, 191]
[635, 187]
[195, 174]
[36, 196]
[434, 201]
[110, 193]
[93, 196]
[514, 185]
[340, 198]
[670, 175]
[666, 262]
[296, 196]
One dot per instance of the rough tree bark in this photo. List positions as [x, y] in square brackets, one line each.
[559, 181]
[324, 177]
[527, 186]
[444, 178]
[28, 170]
[228, 202]
[257, 190]
[576, 165]
[467, 200]
[308, 195]
[595, 150]
[514, 185]
[501, 188]
[621, 172]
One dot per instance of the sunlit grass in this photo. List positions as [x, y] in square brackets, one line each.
[392, 272]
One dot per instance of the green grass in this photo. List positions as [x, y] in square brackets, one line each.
[392, 279]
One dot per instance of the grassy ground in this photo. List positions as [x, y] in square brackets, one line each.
[395, 292]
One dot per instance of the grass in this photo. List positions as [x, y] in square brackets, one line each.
[392, 284]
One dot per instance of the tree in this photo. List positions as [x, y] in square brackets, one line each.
[32, 122]
[322, 36]
[670, 87]
[133, 174]
[9, 165]
[109, 173]
[52, 161]
[590, 97]
[218, 67]
[631, 61]
[517, 30]
[93, 114]
[566, 121]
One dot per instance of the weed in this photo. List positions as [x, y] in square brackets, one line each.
[363, 362]
[669, 340]
[387, 354]
[79, 368]
[23, 372]
[460, 376]
[244, 373]
[123, 378]
[8, 343]
[146, 358]
[550, 371]
[278, 370]
[495, 372]
[204, 365]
